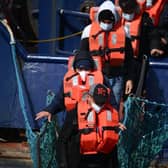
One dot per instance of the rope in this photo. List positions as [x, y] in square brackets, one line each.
[33, 138]
[18, 76]
[52, 39]
[150, 102]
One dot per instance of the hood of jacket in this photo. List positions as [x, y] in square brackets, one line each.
[109, 5]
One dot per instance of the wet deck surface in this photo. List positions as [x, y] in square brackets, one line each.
[14, 155]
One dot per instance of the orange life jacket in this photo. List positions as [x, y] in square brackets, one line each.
[109, 46]
[98, 131]
[134, 27]
[74, 88]
[156, 10]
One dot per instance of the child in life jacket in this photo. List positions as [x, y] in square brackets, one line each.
[98, 125]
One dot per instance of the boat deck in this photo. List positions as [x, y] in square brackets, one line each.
[14, 150]
[14, 155]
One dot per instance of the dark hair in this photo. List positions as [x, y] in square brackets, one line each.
[83, 59]
[106, 15]
[128, 5]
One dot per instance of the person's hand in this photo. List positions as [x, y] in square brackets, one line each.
[121, 126]
[156, 52]
[128, 87]
[164, 41]
[42, 114]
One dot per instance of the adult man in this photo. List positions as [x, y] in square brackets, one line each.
[139, 28]
[158, 12]
[105, 38]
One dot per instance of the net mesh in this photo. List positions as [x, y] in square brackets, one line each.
[43, 143]
[139, 144]
[146, 132]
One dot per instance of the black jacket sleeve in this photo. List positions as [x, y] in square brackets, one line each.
[57, 104]
[84, 44]
[130, 63]
[149, 36]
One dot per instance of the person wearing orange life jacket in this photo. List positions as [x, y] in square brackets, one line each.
[141, 31]
[98, 124]
[106, 38]
[76, 82]
[158, 10]
[155, 8]
[93, 113]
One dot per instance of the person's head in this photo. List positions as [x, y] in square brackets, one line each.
[98, 96]
[107, 15]
[83, 63]
[86, 5]
[129, 8]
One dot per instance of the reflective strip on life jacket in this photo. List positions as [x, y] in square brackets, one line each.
[115, 41]
[134, 29]
[98, 131]
[156, 10]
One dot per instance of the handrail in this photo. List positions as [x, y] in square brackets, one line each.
[72, 13]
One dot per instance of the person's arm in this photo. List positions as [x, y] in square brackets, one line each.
[56, 106]
[84, 44]
[152, 34]
[129, 60]
[57, 103]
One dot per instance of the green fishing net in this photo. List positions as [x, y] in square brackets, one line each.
[145, 134]
[138, 145]
[43, 143]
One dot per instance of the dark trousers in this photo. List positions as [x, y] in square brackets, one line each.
[68, 143]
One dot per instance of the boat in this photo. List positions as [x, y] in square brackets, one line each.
[37, 37]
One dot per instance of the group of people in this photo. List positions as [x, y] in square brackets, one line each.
[104, 71]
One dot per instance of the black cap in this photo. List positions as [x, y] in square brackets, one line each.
[100, 94]
[83, 60]
[106, 15]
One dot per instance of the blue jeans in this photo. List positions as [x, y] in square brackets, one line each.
[116, 86]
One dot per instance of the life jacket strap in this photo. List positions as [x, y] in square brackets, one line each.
[134, 37]
[115, 128]
[107, 51]
[86, 130]
[70, 77]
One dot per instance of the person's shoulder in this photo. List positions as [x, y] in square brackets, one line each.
[86, 32]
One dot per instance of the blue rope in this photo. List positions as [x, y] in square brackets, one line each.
[20, 90]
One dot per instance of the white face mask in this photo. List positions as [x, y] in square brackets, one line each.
[106, 26]
[83, 75]
[128, 17]
[96, 107]
[149, 3]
